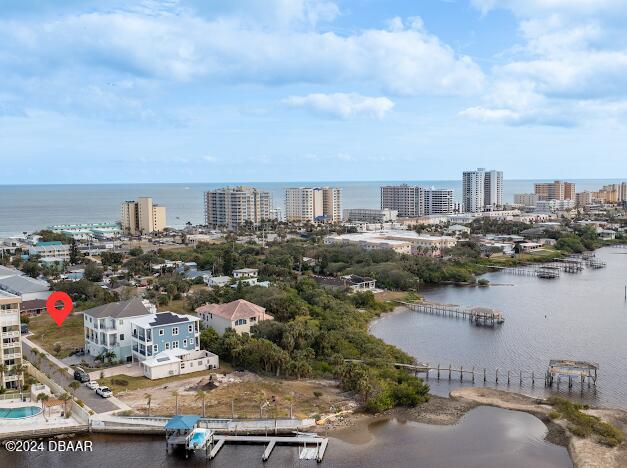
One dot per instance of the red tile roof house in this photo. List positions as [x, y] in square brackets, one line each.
[239, 315]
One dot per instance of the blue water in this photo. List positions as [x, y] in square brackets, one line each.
[15, 413]
[33, 207]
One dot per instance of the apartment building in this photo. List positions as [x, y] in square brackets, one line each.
[142, 216]
[556, 190]
[408, 200]
[51, 250]
[403, 242]
[304, 204]
[108, 327]
[152, 334]
[526, 199]
[232, 207]
[583, 199]
[493, 190]
[10, 333]
[613, 193]
[367, 215]
[482, 190]
[438, 201]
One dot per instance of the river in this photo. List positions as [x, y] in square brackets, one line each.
[579, 316]
[485, 437]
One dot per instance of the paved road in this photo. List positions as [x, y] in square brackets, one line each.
[89, 397]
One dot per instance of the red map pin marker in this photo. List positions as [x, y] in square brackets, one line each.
[59, 315]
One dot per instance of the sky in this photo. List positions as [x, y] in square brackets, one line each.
[127, 91]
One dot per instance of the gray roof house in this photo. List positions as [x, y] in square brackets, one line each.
[26, 287]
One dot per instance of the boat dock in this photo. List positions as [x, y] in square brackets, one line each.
[477, 315]
[186, 432]
[574, 371]
[544, 272]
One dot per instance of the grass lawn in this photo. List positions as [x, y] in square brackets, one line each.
[46, 333]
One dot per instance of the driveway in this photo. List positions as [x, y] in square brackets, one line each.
[89, 397]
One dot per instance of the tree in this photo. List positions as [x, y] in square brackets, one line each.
[74, 385]
[43, 397]
[56, 348]
[32, 269]
[3, 369]
[75, 255]
[65, 398]
[93, 273]
[148, 397]
[201, 395]
[136, 252]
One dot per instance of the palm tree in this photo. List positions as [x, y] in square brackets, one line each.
[65, 398]
[74, 385]
[175, 394]
[43, 397]
[201, 395]
[148, 397]
[19, 370]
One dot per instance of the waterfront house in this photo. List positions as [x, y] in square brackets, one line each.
[353, 282]
[245, 273]
[239, 315]
[178, 362]
[164, 331]
[108, 328]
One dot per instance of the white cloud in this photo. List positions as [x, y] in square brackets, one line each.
[342, 105]
[184, 47]
[572, 54]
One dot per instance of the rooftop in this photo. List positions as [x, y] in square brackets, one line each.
[235, 310]
[182, 422]
[19, 284]
[163, 318]
[131, 308]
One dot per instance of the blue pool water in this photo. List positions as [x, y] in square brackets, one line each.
[17, 413]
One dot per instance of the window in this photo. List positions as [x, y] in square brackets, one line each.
[175, 344]
[121, 336]
[175, 331]
[253, 319]
[185, 343]
[155, 348]
[161, 332]
[182, 365]
[240, 322]
[190, 328]
[167, 345]
[191, 364]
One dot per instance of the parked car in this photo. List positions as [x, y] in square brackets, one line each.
[81, 375]
[24, 329]
[92, 385]
[104, 392]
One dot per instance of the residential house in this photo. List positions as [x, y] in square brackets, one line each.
[162, 332]
[354, 282]
[239, 315]
[218, 281]
[178, 362]
[108, 328]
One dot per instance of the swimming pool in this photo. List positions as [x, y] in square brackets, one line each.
[19, 413]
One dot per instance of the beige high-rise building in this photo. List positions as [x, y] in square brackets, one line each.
[10, 332]
[313, 204]
[613, 193]
[232, 207]
[557, 190]
[583, 199]
[143, 216]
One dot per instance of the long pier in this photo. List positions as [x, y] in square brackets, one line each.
[477, 315]
[570, 371]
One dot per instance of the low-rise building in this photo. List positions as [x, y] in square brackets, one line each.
[405, 242]
[10, 340]
[354, 282]
[367, 215]
[218, 281]
[162, 332]
[239, 315]
[50, 250]
[178, 361]
[26, 287]
[245, 273]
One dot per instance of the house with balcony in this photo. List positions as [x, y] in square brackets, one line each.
[164, 331]
[11, 341]
[108, 328]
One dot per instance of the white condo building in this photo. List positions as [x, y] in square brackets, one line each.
[232, 207]
[482, 190]
[413, 202]
[11, 345]
[304, 204]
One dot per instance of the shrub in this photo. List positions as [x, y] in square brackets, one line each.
[119, 382]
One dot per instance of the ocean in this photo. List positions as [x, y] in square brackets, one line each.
[27, 208]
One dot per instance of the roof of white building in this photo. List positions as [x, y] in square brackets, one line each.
[6, 271]
[235, 310]
[19, 284]
[121, 309]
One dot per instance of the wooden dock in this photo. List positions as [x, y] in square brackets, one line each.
[477, 315]
[313, 445]
[544, 271]
[574, 371]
